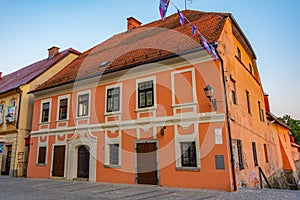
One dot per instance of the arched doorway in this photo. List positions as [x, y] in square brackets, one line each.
[83, 162]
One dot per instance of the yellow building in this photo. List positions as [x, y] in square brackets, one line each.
[16, 107]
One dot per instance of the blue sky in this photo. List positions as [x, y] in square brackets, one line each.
[28, 28]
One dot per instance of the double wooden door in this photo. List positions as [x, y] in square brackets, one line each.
[147, 163]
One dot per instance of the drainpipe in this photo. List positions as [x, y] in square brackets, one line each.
[20, 99]
[228, 120]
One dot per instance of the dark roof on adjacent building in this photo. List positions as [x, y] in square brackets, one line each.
[25, 75]
[149, 43]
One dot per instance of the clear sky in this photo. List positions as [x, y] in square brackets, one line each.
[29, 27]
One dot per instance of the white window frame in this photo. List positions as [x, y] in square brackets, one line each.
[41, 110]
[153, 79]
[88, 92]
[118, 85]
[109, 141]
[58, 107]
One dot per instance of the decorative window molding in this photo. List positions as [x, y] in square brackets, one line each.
[187, 105]
[144, 91]
[113, 93]
[63, 108]
[45, 111]
[83, 103]
[113, 144]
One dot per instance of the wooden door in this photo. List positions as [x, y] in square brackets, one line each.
[59, 161]
[83, 162]
[146, 163]
[8, 160]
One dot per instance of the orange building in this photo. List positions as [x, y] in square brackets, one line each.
[133, 110]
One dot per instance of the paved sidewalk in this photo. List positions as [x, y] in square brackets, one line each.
[25, 189]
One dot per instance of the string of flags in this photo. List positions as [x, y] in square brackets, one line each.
[163, 8]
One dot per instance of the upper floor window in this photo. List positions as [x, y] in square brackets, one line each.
[239, 55]
[1, 113]
[45, 112]
[63, 109]
[83, 105]
[233, 94]
[266, 153]
[13, 103]
[250, 68]
[145, 94]
[113, 100]
[188, 154]
[248, 102]
[261, 112]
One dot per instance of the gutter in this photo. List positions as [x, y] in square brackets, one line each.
[228, 121]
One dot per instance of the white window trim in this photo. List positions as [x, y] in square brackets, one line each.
[58, 106]
[109, 141]
[187, 138]
[154, 107]
[41, 110]
[118, 85]
[89, 110]
[192, 70]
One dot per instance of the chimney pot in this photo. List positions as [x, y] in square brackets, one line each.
[266, 97]
[133, 23]
[0, 75]
[52, 52]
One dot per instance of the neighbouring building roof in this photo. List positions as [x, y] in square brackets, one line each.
[25, 75]
[272, 117]
[149, 43]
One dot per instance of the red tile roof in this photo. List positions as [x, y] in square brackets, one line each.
[146, 44]
[25, 75]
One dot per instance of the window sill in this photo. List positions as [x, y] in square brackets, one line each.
[112, 113]
[82, 117]
[184, 105]
[146, 109]
[41, 165]
[44, 123]
[112, 166]
[194, 169]
[62, 120]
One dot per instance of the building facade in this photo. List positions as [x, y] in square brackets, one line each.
[16, 108]
[133, 110]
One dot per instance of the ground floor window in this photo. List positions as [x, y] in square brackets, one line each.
[188, 154]
[42, 155]
[114, 154]
[240, 154]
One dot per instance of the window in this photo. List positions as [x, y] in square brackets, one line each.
[13, 103]
[239, 55]
[266, 153]
[145, 94]
[188, 154]
[83, 105]
[113, 100]
[1, 113]
[114, 154]
[240, 154]
[261, 113]
[63, 109]
[45, 112]
[254, 154]
[233, 94]
[42, 155]
[250, 68]
[248, 102]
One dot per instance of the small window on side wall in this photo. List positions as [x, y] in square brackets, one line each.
[239, 55]
[145, 94]
[42, 155]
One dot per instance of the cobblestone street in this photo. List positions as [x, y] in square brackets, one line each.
[21, 188]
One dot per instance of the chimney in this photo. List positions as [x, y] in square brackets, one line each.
[52, 52]
[0, 75]
[267, 102]
[132, 23]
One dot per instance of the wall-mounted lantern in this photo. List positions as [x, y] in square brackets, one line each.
[209, 92]
[162, 131]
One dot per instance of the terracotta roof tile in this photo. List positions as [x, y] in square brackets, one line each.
[25, 75]
[147, 43]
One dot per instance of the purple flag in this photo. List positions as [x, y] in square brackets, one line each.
[163, 8]
[194, 29]
[213, 51]
[181, 17]
[205, 44]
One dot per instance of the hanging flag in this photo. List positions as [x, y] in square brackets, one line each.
[181, 17]
[163, 8]
[205, 44]
[194, 29]
[213, 51]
